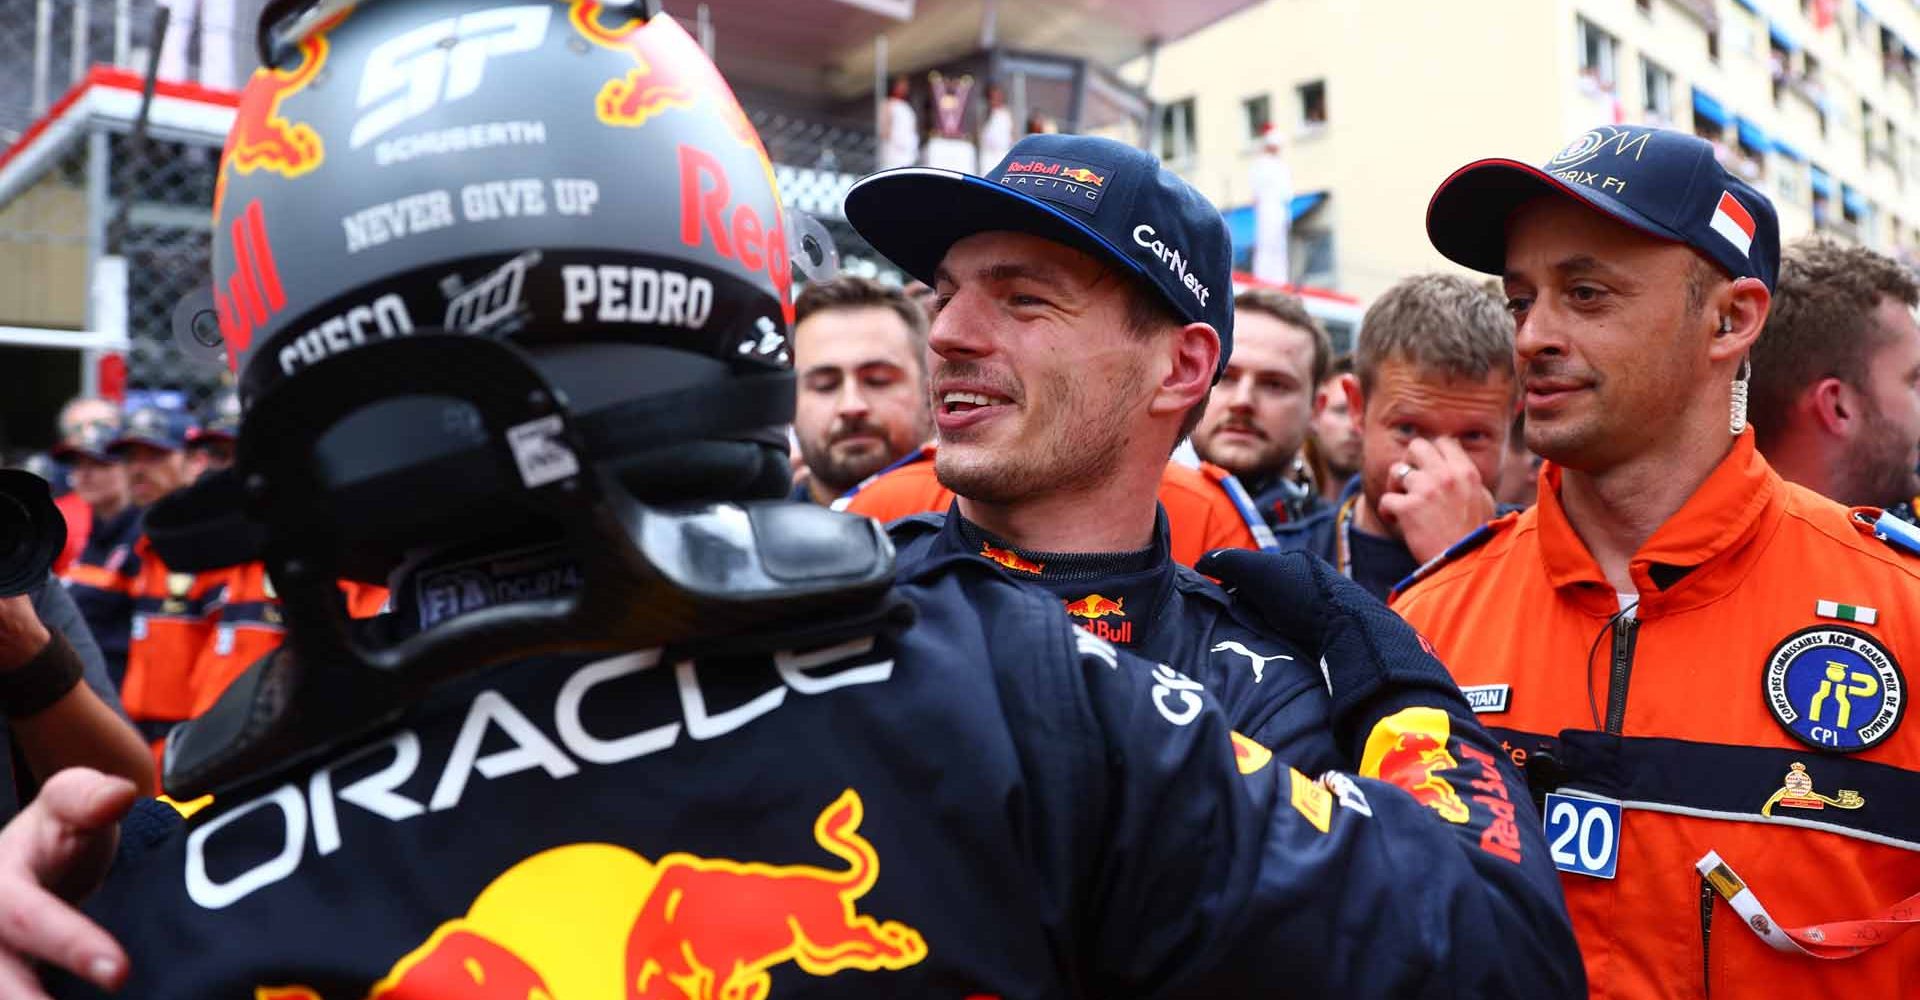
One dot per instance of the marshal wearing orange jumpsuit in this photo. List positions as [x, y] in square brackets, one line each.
[1699, 665]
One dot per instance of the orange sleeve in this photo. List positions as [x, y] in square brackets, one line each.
[910, 489]
[364, 600]
[79, 518]
[98, 577]
[1200, 516]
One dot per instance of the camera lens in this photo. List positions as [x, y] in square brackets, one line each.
[16, 527]
[32, 531]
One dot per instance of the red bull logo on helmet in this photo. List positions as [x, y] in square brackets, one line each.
[595, 920]
[670, 72]
[264, 139]
[1409, 749]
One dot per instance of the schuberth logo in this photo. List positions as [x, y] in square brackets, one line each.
[1076, 185]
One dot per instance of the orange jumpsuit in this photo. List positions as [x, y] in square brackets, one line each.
[171, 622]
[1202, 512]
[1748, 707]
[248, 625]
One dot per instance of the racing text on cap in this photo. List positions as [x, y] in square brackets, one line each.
[1063, 182]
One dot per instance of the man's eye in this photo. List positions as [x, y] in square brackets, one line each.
[1029, 300]
[1584, 293]
[1518, 304]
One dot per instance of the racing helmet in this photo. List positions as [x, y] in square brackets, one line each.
[492, 274]
[573, 178]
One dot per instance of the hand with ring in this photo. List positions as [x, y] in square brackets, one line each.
[1443, 505]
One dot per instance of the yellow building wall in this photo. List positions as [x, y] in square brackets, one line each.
[1418, 88]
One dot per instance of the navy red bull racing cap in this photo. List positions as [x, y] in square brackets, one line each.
[1664, 183]
[1099, 196]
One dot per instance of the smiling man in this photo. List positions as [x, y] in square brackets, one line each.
[1664, 639]
[1083, 316]
[1082, 309]
[859, 348]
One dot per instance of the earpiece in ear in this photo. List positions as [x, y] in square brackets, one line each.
[1726, 324]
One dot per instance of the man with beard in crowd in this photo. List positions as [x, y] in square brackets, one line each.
[859, 347]
[1257, 418]
[1836, 376]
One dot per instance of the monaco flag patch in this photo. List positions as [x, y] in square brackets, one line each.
[1731, 220]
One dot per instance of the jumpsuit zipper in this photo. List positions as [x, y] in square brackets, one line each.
[1624, 632]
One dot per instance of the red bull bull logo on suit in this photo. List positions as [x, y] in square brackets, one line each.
[590, 921]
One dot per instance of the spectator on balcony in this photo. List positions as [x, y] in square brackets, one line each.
[996, 132]
[899, 128]
[218, 24]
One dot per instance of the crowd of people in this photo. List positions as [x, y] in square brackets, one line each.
[1117, 637]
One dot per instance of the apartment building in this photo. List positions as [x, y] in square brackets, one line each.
[1379, 100]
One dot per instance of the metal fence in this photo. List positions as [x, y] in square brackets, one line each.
[46, 46]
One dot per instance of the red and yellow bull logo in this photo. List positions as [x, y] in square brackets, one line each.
[1249, 756]
[1056, 168]
[1409, 749]
[599, 922]
[1012, 560]
[262, 138]
[1093, 606]
[670, 71]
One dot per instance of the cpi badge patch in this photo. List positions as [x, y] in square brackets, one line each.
[1835, 688]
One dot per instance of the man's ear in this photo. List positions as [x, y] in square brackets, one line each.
[1739, 315]
[1356, 400]
[1194, 353]
[1831, 405]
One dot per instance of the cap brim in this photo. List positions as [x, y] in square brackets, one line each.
[914, 215]
[1467, 217]
[67, 453]
[122, 443]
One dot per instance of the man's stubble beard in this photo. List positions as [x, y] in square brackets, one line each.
[1879, 471]
[1069, 457]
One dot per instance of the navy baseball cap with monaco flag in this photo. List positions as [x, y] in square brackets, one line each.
[1664, 183]
[1099, 196]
